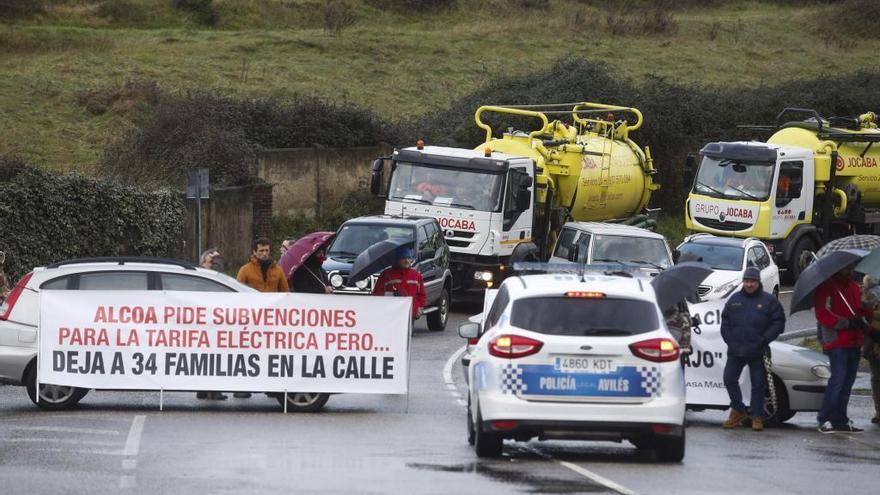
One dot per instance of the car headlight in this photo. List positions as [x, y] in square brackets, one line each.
[727, 288]
[336, 280]
[484, 276]
[362, 284]
[821, 371]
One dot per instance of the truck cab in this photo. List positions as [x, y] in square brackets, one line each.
[763, 190]
[483, 202]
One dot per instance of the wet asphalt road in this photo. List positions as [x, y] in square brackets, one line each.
[118, 442]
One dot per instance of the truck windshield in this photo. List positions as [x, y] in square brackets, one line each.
[733, 179]
[630, 249]
[718, 257]
[354, 239]
[456, 188]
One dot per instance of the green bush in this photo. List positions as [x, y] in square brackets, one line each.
[46, 218]
[204, 10]
[20, 8]
[849, 18]
[224, 134]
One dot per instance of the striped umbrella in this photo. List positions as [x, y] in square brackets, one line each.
[856, 241]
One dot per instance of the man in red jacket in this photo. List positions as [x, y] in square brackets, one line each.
[402, 280]
[842, 323]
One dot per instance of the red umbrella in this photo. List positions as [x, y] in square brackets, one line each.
[300, 251]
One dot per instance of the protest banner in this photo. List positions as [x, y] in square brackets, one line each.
[704, 368]
[255, 342]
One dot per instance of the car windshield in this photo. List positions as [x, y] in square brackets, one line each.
[575, 316]
[732, 179]
[627, 249]
[354, 239]
[718, 257]
[456, 188]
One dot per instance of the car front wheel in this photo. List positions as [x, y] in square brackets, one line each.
[437, 319]
[304, 401]
[52, 397]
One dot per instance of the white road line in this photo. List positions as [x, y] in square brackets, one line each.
[133, 442]
[586, 473]
[72, 441]
[447, 368]
[63, 429]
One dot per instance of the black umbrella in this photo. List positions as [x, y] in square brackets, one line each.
[818, 272]
[677, 283]
[376, 258]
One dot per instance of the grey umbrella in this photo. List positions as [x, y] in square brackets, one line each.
[376, 258]
[857, 241]
[818, 272]
[677, 283]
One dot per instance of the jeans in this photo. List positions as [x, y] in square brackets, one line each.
[757, 373]
[844, 365]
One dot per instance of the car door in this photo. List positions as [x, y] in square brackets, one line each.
[769, 271]
[426, 262]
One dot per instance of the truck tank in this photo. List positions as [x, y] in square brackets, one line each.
[857, 164]
[591, 168]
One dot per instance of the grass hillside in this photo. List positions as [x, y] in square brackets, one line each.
[76, 74]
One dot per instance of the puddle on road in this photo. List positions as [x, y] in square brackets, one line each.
[532, 483]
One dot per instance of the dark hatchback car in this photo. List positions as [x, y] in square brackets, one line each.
[430, 251]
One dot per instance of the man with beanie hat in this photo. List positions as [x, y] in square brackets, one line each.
[751, 319]
[402, 280]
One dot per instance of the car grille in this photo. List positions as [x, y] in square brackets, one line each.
[460, 244]
[704, 290]
[719, 225]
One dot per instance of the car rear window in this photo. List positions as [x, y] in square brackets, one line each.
[577, 316]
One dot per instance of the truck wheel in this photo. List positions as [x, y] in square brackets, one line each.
[801, 257]
[670, 449]
[303, 401]
[52, 397]
[487, 444]
[437, 319]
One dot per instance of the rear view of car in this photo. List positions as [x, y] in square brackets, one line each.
[577, 361]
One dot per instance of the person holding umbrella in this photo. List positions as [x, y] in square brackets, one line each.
[401, 279]
[842, 322]
[310, 277]
[751, 319]
[302, 260]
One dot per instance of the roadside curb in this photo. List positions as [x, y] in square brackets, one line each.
[797, 334]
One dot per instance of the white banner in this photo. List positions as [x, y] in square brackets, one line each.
[255, 342]
[704, 369]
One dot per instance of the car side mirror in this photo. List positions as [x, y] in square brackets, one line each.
[428, 254]
[574, 253]
[525, 181]
[687, 178]
[377, 173]
[469, 330]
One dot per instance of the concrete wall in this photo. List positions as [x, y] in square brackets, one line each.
[304, 179]
[231, 219]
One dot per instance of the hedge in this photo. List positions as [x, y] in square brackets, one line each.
[45, 217]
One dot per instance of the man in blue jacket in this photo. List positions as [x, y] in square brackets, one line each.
[751, 320]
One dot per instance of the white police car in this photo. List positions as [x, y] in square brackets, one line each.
[579, 357]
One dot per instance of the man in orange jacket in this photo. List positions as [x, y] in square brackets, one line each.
[842, 325]
[261, 272]
[402, 280]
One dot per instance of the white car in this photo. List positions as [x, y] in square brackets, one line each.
[20, 311]
[729, 257]
[563, 356]
[598, 243]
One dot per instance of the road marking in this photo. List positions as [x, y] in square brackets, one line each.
[73, 441]
[63, 429]
[133, 442]
[586, 473]
[132, 446]
[447, 368]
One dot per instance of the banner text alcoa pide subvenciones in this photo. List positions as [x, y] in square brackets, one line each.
[195, 341]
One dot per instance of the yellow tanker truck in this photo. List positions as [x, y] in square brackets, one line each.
[814, 180]
[506, 200]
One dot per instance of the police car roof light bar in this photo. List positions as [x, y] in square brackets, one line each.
[578, 268]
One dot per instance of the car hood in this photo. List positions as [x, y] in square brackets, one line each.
[720, 277]
[337, 265]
